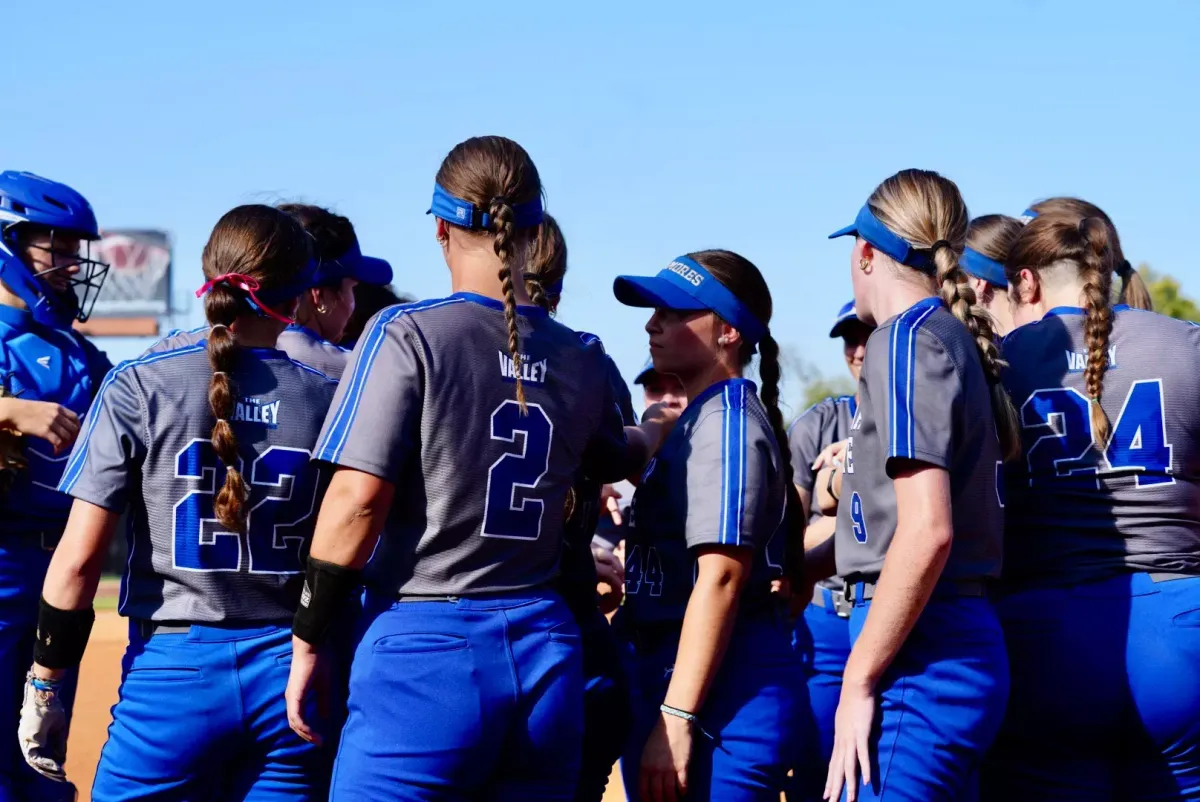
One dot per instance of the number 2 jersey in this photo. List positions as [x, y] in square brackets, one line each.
[146, 445]
[1076, 512]
[428, 402]
[717, 480]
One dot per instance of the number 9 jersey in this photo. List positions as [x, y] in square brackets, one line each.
[146, 445]
[1076, 512]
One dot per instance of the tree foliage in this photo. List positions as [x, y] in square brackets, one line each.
[1167, 296]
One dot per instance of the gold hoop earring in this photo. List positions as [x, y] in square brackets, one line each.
[321, 309]
[864, 265]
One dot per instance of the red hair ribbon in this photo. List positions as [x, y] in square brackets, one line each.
[248, 285]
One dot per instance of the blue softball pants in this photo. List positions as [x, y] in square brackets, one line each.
[821, 639]
[201, 717]
[940, 703]
[23, 564]
[464, 699]
[1106, 693]
[753, 712]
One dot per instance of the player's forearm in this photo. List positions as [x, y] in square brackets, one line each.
[819, 531]
[914, 564]
[351, 518]
[75, 568]
[707, 626]
[827, 502]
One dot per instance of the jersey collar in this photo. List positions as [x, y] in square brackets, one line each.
[492, 303]
[714, 389]
[1060, 311]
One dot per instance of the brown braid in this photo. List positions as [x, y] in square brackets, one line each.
[502, 227]
[959, 298]
[1096, 272]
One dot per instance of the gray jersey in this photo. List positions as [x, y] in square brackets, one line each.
[298, 342]
[824, 424]
[718, 480]
[922, 396]
[1076, 512]
[428, 402]
[146, 446]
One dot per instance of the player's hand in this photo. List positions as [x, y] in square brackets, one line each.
[610, 572]
[42, 731]
[664, 774]
[307, 682]
[664, 417]
[610, 498]
[851, 742]
[833, 455]
[52, 422]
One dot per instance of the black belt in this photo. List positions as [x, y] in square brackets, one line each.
[863, 588]
[148, 629]
[832, 601]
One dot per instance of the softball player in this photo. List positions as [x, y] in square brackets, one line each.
[325, 308]
[48, 375]
[467, 682]
[208, 446]
[606, 710]
[822, 634]
[988, 239]
[919, 521]
[1102, 553]
[716, 711]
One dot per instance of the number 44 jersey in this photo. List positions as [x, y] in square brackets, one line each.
[429, 403]
[146, 446]
[1076, 511]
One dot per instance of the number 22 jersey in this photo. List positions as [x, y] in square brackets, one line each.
[146, 445]
[1076, 512]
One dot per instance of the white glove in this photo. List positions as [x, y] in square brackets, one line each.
[43, 728]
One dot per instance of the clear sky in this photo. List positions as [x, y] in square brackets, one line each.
[658, 127]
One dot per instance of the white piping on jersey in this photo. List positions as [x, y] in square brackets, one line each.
[76, 461]
[727, 464]
[911, 330]
[347, 410]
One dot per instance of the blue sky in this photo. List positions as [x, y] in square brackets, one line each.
[658, 127]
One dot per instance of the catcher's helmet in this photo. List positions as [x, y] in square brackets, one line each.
[30, 200]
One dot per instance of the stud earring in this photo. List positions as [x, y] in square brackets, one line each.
[321, 309]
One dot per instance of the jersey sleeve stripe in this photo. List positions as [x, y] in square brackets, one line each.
[331, 445]
[902, 359]
[75, 465]
[733, 466]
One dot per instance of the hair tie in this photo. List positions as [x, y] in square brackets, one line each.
[1124, 270]
[940, 244]
[499, 199]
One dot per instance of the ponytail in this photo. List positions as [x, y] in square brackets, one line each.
[769, 371]
[1134, 292]
[1096, 271]
[960, 300]
[503, 230]
[222, 308]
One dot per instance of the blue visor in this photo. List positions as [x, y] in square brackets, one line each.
[846, 316]
[352, 264]
[646, 373]
[306, 280]
[684, 285]
[461, 213]
[980, 266]
[1027, 215]
[868, 226]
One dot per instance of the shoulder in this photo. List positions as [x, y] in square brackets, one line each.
[816, 415]
[310, 339]
[312, 374]
[175, 358]
[392, 319]
[734, 405]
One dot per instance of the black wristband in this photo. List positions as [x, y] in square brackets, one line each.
[829, 485]
[62, 636]
[326, 588]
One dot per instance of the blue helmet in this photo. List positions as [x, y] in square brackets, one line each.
[28, 200]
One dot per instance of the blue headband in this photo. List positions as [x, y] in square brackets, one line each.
[868, 226]
[983, 267]
[685, 285]
[457, 211]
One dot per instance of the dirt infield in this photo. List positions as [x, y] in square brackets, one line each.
[98, 680]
